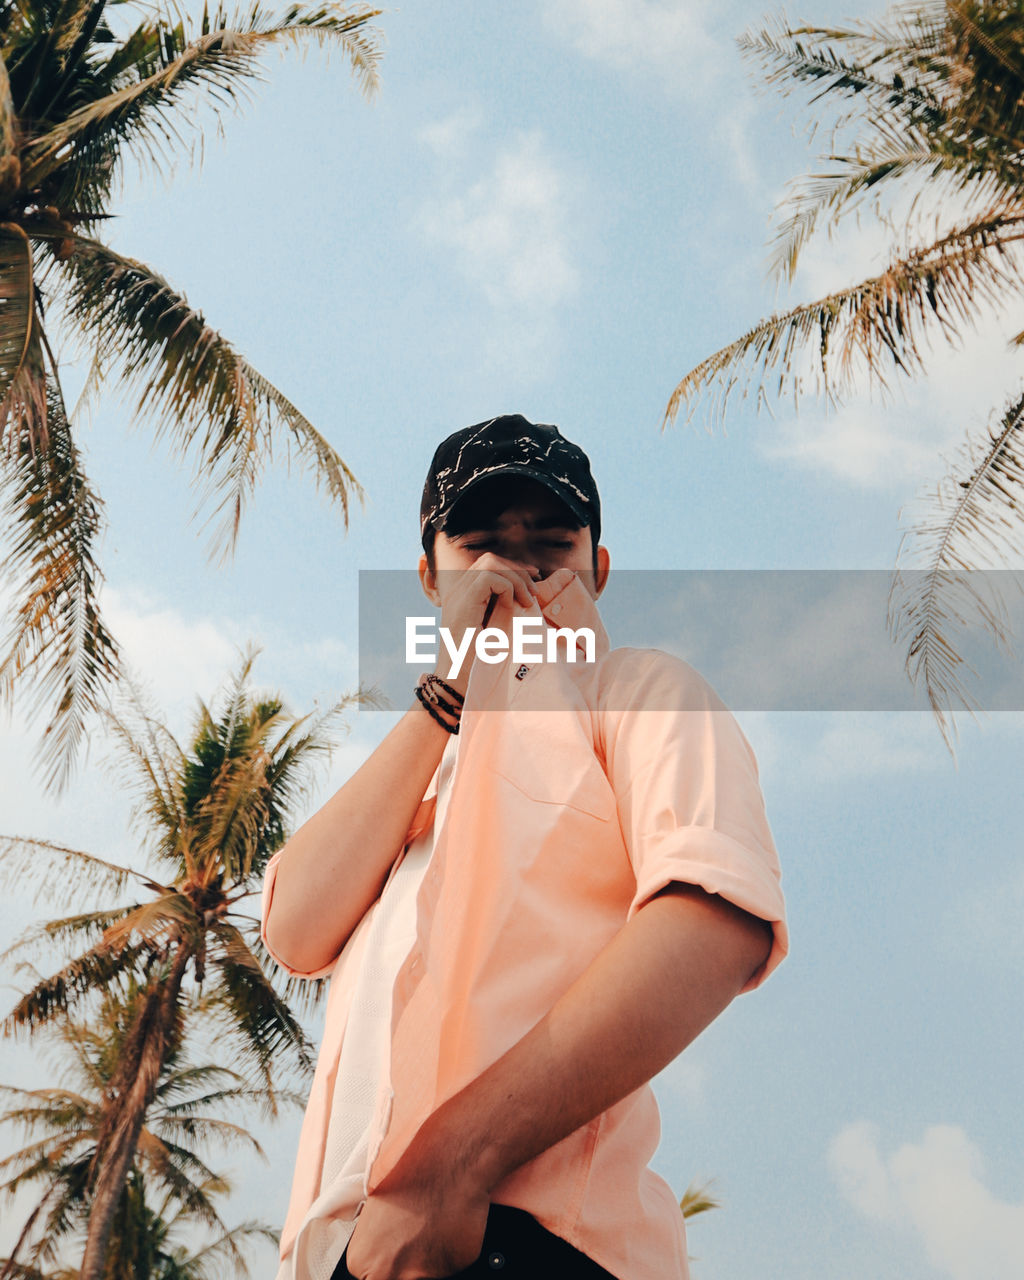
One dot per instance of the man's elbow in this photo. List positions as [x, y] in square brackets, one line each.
[294, 944]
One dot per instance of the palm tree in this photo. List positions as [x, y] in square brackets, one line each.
[213, 816]
[934, 99]
[65, 1123]
[83, 92]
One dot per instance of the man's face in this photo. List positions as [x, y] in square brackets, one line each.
[527, 525]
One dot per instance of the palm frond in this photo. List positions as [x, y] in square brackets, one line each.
[259, 1022]
[697, 1198]
[58, 638]
[822, 199]
[96, 872]
[51, 54]
[867, 63]
[62, 1165]
[205, 1129]
[182, 1081]
[150, 761]
[916, 110]
[972, 521]
[150, 100]
[56, 1208]
[26, 403]
[311, 737]
[88, 927]
[193, 384]
[984, 63]
[242, 1095]
[223, 780]
[185, 1176]
[37, 1159]
[10, 162]
[226, 1250]
[99, 969]
[871, 329]
[16, 315]
[55, 1109]
[11, 1269]
[233, 816]
[169, 917]
[32, 862]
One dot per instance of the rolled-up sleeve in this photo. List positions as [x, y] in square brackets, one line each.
[687, 791]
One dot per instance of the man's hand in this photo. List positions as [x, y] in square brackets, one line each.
[468, 598]
[426, 1219]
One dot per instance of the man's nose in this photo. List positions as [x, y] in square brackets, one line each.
[516, 547]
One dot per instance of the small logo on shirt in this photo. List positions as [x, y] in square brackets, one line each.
[521, 673]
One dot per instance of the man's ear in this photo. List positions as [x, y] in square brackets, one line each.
[428, 581]
[604, 563]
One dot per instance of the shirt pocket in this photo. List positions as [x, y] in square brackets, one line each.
[551, 760]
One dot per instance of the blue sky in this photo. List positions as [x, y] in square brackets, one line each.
[557, 208]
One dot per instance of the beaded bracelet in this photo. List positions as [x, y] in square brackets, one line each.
[435, 714]
[429, 684]
[429, 680]
[436, 700]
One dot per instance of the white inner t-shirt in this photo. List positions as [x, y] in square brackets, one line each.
[362, 1088]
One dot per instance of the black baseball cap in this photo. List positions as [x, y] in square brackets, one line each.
[504, 446]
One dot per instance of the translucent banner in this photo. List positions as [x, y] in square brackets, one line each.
[766, 640]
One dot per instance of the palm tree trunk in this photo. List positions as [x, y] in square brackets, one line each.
[147, 1050]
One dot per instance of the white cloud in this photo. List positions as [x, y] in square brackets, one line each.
[904, 441]
[936, 1189]
[449, 138]
[842, 747]
[666, 38]
[509, 221]
[860, 1172]
[867, 445]
[510, 229]
[177, 659]
[174, 660]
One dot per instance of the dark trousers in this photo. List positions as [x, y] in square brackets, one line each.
[517, 1247]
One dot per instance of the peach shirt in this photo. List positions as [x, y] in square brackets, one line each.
[592, 792]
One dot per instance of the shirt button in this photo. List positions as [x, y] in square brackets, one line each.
[555, 609]
[495, 1260]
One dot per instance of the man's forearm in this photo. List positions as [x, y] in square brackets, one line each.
[666, 975]
[334, 866]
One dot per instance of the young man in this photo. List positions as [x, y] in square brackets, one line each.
[542, 885]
